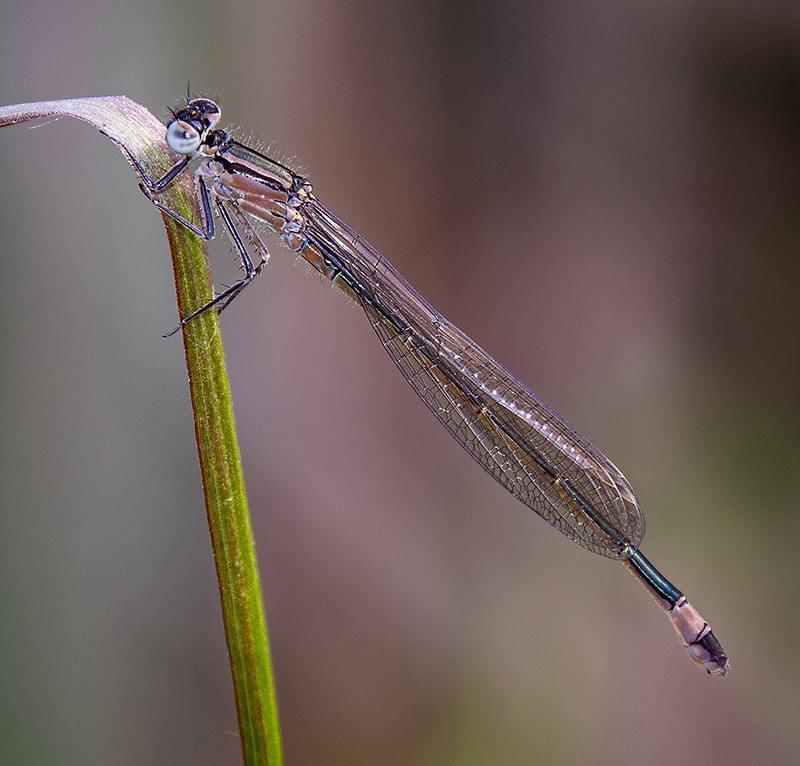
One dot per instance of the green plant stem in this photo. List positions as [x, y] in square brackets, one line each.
[226, 502]
[141, 137]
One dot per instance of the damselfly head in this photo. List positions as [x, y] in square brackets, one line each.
[190, 126]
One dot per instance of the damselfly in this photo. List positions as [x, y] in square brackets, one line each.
[524, 444]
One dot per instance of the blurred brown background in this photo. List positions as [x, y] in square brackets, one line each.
[607, 198]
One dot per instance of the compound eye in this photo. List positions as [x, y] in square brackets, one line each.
[182, 137]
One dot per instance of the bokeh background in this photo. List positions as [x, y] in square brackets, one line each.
[606, 196]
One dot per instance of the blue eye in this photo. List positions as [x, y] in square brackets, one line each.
[182, 137]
